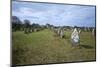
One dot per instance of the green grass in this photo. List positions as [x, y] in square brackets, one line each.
[46, 47]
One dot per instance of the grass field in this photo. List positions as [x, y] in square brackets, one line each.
[46, 47]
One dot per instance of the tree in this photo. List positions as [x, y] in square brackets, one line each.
[36, 25]
[27, 23]
[27, 26]
[47, 25]
[16, 23]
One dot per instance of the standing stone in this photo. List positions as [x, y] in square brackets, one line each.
[58, 32]
[93, 32]
[75, 39]
[35, 30]
[61, 34]
[80, 31]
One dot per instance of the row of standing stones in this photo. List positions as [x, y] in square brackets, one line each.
[75, 35]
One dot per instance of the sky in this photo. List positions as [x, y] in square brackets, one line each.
[55, 14]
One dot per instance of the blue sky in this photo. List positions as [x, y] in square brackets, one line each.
[55, 14]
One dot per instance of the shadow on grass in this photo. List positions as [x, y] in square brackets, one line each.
[86, 46]
[66, 37]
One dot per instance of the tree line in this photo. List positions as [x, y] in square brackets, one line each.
[27, 27]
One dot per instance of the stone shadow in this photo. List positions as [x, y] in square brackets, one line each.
[86, 46]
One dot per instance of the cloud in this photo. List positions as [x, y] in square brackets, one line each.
[55, 14]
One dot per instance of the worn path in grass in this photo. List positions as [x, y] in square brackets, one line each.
[46, 47]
